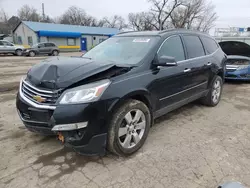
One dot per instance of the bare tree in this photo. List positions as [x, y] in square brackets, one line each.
[3, 16]
[28, 13]
[141, 21]
[48, 19]
[114, 22]
[77, 16]
[194, 14]
[74, 16]
[161, 11]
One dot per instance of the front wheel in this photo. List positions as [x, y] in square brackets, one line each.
[129, 128]
[32, 54]
[19, 52]
[214, 95]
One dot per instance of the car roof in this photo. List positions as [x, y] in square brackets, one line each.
[46, 43]
[161, 33]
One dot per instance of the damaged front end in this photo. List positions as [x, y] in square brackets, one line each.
[63, 98]
[238, 68]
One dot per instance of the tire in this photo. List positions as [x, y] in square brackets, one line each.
[214, 95]
[19, 52]
[55, 53]
[32, 54]
[132, 134]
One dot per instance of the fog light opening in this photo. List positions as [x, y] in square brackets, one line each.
[70, 127]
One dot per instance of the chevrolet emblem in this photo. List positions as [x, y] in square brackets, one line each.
[39, 98]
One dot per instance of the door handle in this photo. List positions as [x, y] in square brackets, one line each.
[187, 70]
[209, 64]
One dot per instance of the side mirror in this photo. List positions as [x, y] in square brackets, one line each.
[38, 46]
[166, 61]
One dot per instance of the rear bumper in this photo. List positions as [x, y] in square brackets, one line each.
[90, 140]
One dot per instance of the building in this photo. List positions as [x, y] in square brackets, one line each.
[66, 37]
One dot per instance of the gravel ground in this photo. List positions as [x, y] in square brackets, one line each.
[192, 147]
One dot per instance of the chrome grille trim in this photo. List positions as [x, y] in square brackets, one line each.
[36, 93]
[39, 90]
[31, 101]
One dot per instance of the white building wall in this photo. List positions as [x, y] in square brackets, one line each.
[24, 32]
[43, 39]
[91, 42]
[63, 41]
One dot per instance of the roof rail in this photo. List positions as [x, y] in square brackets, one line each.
[123, 32]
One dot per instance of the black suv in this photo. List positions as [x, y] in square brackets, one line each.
[43, 48]
[109, 97]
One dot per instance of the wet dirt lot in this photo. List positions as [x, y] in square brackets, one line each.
[194, 146]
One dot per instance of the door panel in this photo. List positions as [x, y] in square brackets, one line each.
[172, 83]
[199, 64]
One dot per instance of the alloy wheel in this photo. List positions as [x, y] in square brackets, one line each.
[19, 52]
[132, 129]
[32, 54]
[216, 91]
[55, 53]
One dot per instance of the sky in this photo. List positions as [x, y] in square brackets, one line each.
[233, 13]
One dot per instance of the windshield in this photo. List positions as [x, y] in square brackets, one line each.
[122, 50]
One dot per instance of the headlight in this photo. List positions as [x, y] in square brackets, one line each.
[85, 93]
[242, 67]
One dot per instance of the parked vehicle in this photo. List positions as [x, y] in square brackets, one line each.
[109, 97]
[238, 63]
[48, 48]
[7, 47]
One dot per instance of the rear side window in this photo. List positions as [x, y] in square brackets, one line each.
[173, 47]
[49, 45]
[209, 44]
[1, 43]
[194, 46]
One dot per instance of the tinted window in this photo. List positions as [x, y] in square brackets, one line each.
[7, 43]
[49, 45]
[173, 47]
[41, 45]
[209, 44]
[194, 46]
[1, 43]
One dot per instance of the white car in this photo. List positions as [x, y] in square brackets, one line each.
[7, 47]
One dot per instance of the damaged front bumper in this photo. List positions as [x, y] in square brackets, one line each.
[82, 127]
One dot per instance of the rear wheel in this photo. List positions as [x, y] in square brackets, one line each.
[32, 54]
[214, 95]
[19, 52]
[55, 53]
[129, 128]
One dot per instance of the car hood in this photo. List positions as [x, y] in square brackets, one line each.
[62, 72]
[20, 46]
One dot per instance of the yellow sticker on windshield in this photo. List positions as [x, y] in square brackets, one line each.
[141, 40]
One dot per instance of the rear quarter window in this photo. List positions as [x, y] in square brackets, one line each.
[209, 44]
[194, 46]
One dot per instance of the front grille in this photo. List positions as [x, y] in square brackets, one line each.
[231, 76]
[231, 70]
[39, 96]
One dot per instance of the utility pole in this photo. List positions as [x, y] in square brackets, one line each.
[43, 11]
